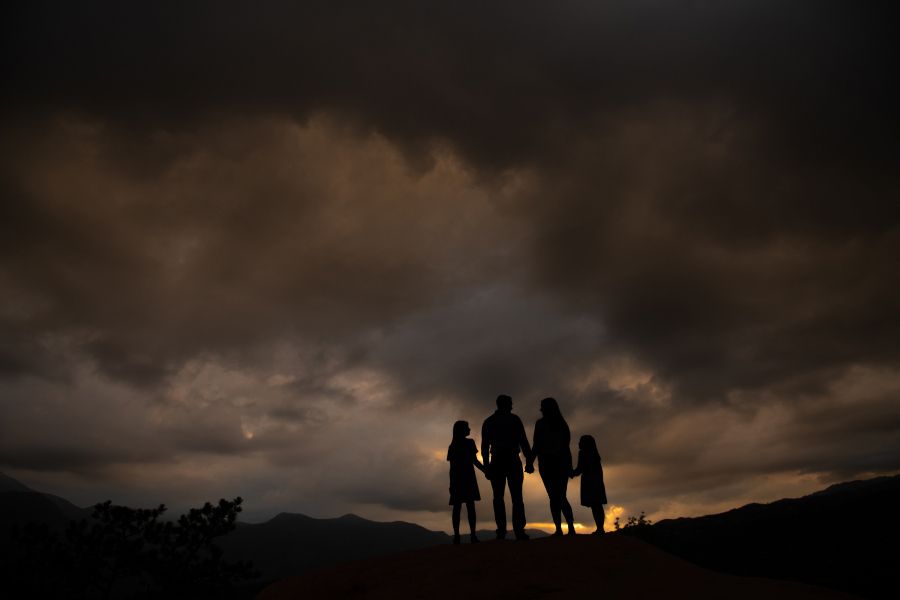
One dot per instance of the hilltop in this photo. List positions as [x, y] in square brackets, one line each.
[610, 567]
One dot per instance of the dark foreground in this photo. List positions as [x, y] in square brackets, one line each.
[612, 566]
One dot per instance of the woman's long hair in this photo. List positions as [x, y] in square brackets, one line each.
[550, 410]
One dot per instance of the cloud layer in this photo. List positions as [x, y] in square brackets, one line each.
[278, 251]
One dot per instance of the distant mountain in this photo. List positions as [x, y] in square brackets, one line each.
[292, 543]
[19, 504]
[18, 508]
[286, 545]
[844, 537]
[65, 508]
[8, 484]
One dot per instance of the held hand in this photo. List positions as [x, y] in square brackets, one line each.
[529, 468]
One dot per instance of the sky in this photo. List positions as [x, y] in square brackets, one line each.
[276, 249]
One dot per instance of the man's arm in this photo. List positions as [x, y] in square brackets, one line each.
[485, 443]
[537, 438]
[523, 443]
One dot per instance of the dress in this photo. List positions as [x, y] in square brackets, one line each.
[463, 484]
[593, 491]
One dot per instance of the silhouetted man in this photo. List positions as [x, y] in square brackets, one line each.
[502, 436]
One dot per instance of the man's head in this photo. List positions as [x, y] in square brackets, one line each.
[504, 403]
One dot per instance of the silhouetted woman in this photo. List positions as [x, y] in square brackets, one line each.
[551, 449]
[593, 492]
[463, 457]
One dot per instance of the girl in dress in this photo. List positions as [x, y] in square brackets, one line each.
[463, 457]
[593, 492]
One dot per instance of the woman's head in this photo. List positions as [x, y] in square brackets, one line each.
[550, 409]
[460, 429]
[588, 444]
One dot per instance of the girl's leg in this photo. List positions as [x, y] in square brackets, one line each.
[470, 511]
[456, 510]
[599, 517]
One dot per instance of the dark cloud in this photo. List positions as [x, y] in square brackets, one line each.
[270, 233]
[505, 83]
[253, 234]
[481, 338]
[780, 287]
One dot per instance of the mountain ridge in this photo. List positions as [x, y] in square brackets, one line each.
[787, 539]
[796, 539]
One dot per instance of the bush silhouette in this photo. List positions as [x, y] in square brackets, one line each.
[130, 553]
[639, 521]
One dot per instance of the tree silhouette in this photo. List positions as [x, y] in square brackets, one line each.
[131, 553]
[639, 521]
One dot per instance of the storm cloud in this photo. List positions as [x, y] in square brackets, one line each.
[278, 250]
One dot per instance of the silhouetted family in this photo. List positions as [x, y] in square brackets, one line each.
[502, 439]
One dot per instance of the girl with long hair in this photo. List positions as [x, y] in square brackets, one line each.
[463, 457]
[593, 491]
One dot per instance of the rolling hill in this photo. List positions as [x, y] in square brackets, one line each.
[843, 537]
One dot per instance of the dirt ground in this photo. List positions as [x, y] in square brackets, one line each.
[607, 567]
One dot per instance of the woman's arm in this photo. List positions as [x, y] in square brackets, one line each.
[537, 447]
[537, 440]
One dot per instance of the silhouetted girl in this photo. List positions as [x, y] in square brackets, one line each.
[593, 492]
[463, 457]
[551, 449]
